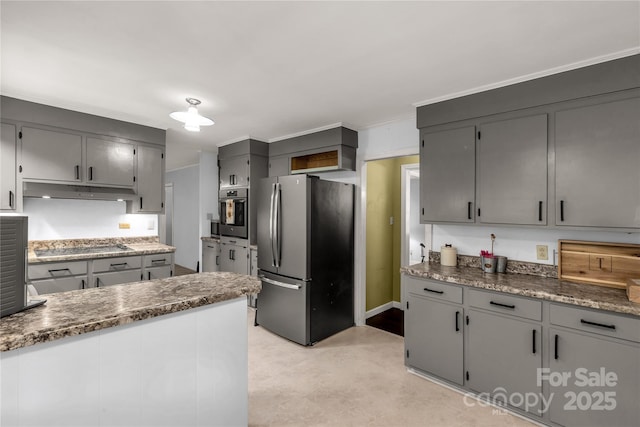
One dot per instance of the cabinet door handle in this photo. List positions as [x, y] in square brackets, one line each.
[561, 210]
[512, 307]
[217, 259]
[555, 345]
[83, 283]
[534, 341]
[434, 291]
[149, 275]
[601, 325]
[159, 260]
[457, 324]
[90, 173]
[120, 264]
[469, 207]
[97, 282]
[140, 203]
[540, 210]
[58, 270]
[11, 199]
[77, 171]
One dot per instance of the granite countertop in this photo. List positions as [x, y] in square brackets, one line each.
[77, 312]
[134, 246]
[546, 288]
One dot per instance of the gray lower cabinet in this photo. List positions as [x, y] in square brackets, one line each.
[60, 284]
[434, 338]
[210, 256]
[114, 271]
[234, 258]
[602, 380]
[116, 277]
[433, 328]
[447, 175]
[8, 199]
[512, 171]
[50, 155]
[596, 161]
[503, 358]
[152, 273]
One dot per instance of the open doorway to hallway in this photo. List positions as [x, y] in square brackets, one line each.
[393, 230]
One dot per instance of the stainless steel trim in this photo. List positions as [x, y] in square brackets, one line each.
[278, 232]
[281, 284]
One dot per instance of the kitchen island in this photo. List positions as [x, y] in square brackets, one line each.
[162, 352]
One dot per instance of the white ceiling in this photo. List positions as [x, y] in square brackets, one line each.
[271, 69]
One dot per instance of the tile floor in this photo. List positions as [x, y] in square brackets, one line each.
[354, 378]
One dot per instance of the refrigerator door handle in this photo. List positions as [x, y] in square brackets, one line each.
[278, 225]
[271, 224]
[281, 284]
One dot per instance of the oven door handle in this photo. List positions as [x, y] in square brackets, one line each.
[271, 224]
[281, 284]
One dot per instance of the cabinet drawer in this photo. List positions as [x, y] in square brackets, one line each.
[433, 289]
[596, 322]
[116, 264]
[157, 260]
[158, 272]
[57, 269]
[506, 304]
[61, 284]
[116, 277]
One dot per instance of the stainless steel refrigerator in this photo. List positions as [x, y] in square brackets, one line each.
[305, 257]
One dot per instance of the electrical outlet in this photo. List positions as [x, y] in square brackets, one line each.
[390, 220]
[124, 225]
[542, 252]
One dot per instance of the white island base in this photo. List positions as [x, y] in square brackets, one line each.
[187, 368]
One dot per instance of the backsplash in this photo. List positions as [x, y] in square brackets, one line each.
[513, 266]
[84, 219]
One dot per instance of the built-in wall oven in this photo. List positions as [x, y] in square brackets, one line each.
[234, 213]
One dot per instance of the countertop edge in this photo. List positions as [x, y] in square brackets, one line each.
[532, 293]
[90, 256]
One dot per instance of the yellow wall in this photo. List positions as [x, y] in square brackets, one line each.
[383, 239]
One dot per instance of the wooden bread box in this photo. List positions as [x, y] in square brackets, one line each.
[600, 263]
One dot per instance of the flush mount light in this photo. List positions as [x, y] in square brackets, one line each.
[191, 119]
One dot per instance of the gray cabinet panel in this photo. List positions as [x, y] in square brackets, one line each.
[512, 171]
[234, 258]
[109, 163]
[158, 272]
[60, 284]
[605, 404]
[150, 179]
[8, 167]
[447, 175]
[51, 155]
[210, 256]
[503, 356]
[116, 278]
[597, 165]
[434, 338]
[279, 166]
[234, 171]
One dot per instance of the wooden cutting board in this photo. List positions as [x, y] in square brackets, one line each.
[599, 263]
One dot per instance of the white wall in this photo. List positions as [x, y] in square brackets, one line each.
[51, 219]
[208, 185]
[186, 219]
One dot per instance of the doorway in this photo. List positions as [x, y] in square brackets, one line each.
[387, 222]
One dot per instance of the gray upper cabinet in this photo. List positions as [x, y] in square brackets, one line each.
[150, 180]
[512, 171]
[598, 165]
[447, 175]
[109, 163]
[8, 167]
[234, 172]
[279, 166]
[50, 155]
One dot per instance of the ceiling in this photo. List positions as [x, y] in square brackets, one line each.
[272, 69]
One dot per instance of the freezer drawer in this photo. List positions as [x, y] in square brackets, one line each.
[283, 307]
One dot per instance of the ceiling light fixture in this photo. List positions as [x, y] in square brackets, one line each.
[191, 119]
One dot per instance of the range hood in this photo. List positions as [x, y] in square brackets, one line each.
[70, 191]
